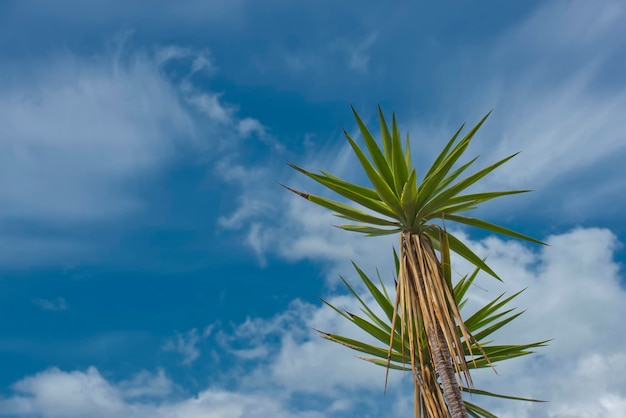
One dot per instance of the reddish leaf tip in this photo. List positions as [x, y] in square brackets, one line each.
[304, 195]
[326, 334]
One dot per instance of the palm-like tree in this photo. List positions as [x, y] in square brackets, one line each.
[418, 212]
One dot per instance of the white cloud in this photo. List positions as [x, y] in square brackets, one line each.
[328, 367]
[248, 126]
[557, 100]
[256, 242]
[566, 129]
[147, 384]
[306, 232]
[574, 295]
[358, 54]
[574, 283]
[210, 104]
[81, 133]
[573, 24]
[78, 134]
[354, 57]
[200, 61]
[58, 394]
[287, 225]
[186, 344]
[224, 404]
[54, 393]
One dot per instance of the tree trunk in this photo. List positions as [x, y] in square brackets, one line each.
[451, 390]
[422, 288]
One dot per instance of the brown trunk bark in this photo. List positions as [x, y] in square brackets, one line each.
[451, 390]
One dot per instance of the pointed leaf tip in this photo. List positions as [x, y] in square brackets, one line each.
[295, 167]
[325, 334]
[301, 194]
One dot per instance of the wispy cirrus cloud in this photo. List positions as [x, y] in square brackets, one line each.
[558, 104]
[558, 100]
[83, 135]
[78, 136]
[104, 119]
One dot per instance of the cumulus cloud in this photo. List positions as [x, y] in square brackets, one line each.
[58, 394]
[304, 362]
[54, 393]
[574, 295]
[146, 384]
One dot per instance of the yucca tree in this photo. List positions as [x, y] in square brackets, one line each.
[482, 323]
[418, 212]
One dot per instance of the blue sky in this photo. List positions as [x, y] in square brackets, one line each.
[151, 265]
